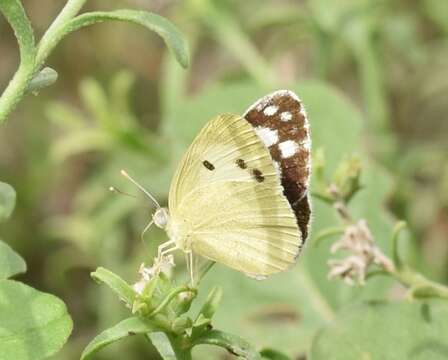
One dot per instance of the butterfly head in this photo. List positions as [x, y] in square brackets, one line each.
[160, 217]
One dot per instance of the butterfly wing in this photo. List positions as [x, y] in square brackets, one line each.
[227, 204]
[283, 113]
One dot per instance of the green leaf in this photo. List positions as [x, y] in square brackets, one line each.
[272, 354]
[128, 327]
[232, 343]
[165, 29]
[124, 291]
[16, 16]
[163, 345]
[10, 262]
[34, 325]
[203, 320]
[46, 77]
[385, 331]
[7, 201]
[211, 304]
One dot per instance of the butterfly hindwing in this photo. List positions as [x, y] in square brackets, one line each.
[227, 203]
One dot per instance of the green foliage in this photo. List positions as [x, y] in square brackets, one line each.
[7, 201]
[15, 15]
[11, 263]
[128, 327]
[34, 325]
[119, 286]
[372, 76]
[29, 75]
[380, 330]
[162, 318]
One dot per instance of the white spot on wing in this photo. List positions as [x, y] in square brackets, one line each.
[285, 116]
[265, 100]
[268, 136]
[270, 110]
[306, 145]
[288, 148]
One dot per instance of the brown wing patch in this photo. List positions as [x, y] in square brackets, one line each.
[281, 113]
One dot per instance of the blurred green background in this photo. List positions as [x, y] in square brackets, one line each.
[373, 76]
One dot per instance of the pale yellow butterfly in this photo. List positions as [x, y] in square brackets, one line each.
[239, 195]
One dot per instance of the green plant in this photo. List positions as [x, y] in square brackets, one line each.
[36, 325]
[373, 78]
[31, 76]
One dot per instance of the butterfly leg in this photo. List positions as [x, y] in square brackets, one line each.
[190, 266]
[146, 229]
[161, 249]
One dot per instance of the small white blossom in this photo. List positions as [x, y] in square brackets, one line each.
[162, 264]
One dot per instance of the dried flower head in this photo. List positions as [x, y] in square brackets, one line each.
[357, 240]
[163, 264]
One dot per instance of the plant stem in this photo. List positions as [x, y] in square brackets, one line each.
[17, 18]
[50, 38]
[30, 61]
[170, 297]
[416, 281]
[14, 91]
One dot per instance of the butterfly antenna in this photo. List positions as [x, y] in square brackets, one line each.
[127, 176]
[118, 191]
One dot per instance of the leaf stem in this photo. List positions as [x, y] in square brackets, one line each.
[173, 293]
[31, 59]
[16, 17]
[417, 283]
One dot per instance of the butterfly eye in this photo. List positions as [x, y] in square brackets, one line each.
[160, 218]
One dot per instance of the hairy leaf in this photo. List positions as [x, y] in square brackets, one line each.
[117, 284]
[34, 325]
[232, 343]
[16, 17]
[165, 29]
[128, 327]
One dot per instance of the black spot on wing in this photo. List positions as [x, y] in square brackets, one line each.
[241, 163]
[208, 165]
[258, 175]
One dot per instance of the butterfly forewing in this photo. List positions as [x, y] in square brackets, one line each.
[227, 203]
[282, 124]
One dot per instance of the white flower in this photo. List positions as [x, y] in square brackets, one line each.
[162, 264]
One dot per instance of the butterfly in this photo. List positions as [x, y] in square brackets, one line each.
[239, 195]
